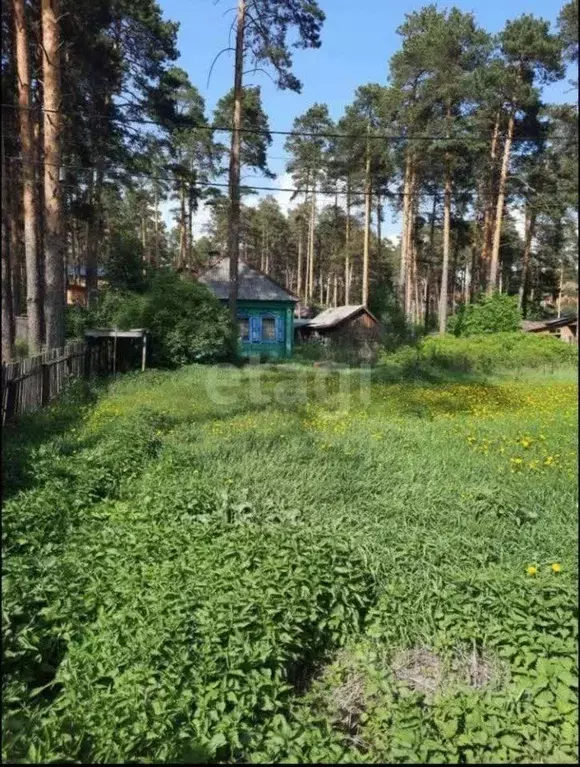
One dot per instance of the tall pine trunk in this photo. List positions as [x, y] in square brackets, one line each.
[234, 172]
[29, 197]
[156, 226]
[488, 218]
[299, 269]
[530, 225]
[347, 246]
[7, 305]
[494, 266]
[443, 297]
[367, 230]
[408, 243]
[560, 287]
[182, 226]
[379, 216]
[95, 231]
[54, 301]
[405, 224]
[311, 241]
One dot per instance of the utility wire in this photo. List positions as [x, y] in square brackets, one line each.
[218, 185]
[306, 134]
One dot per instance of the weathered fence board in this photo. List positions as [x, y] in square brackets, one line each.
[32, 383]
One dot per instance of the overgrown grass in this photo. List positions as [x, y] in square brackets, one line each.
[488, 353]
[223, 564]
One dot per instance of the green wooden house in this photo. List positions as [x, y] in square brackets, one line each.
[265, 308]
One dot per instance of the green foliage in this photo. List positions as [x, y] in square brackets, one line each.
[186, 322]
[124, 264]
[172, 594]
[488, 353]
[497, 313]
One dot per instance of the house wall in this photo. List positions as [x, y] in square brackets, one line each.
[283, 311]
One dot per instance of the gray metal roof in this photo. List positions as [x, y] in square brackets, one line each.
[331, 317]
[253, 285]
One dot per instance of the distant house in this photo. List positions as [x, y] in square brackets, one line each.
[265, 308]
[76, 286]
[564, 328]
[344, 323]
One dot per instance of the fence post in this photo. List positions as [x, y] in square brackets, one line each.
[45, 389]
[87, 361]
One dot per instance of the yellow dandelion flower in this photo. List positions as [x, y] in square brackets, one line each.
[556, 567]
[532, 570]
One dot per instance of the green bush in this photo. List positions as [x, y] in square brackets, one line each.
[483, 354]
[498, 313]
[186, 322]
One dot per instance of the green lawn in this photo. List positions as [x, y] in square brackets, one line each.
[289, 564]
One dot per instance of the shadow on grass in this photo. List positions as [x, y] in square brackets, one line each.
[23, 436]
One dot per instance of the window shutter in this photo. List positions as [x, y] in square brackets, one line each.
[279, 328]
[255, 330]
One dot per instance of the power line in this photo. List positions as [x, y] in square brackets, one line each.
[219, 185]
[306, 134]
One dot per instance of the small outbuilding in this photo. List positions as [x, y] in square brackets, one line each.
[352, 332]
[564, 328]
[265, 308]
[347, 323]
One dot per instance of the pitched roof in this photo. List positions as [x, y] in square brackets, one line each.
[253, 285]
[532, 326]
[331, 317]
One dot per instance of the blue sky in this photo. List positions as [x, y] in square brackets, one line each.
[358, 38]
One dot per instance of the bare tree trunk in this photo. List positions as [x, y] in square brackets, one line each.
[312, 233]
[54, 262]
[234, 180]
[7, 305]
[190, 199]
[443, 299]
[408, 283]
[405, 225]
[379, 216]
[182, 226]
[488, 218]
[493, 273]
[29, 199]
[560, 286]
[530, 225]
[367, 231]
[347, 246]
[94, 234]
[299, 270]
[15, 233]
[156, 227]
[335, 290]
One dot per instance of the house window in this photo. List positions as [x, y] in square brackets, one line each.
[244, 328]
[268, 329]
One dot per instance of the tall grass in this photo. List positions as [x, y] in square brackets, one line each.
[221, 564]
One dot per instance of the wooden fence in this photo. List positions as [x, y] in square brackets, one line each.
[32, 383]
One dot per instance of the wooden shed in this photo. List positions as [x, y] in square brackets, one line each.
[354, 324]
[564, 328]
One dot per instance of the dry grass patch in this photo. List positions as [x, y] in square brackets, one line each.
[423, 671]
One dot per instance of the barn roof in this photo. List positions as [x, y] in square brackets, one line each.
[329, 318]
[532, 326]
[253, 285]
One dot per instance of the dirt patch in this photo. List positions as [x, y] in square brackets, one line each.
[423, 671]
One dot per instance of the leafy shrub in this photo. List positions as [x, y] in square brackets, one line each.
[186, 322]
[483, 354]
[498, 313]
